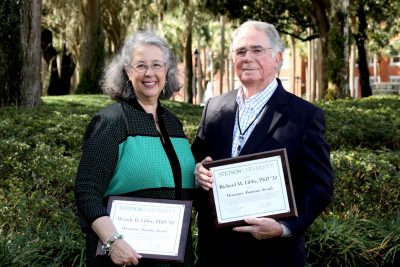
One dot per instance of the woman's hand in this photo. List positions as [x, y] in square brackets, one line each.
[203, 176]
[121, 252]
[124, 254]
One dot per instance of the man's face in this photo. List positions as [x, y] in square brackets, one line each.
[254, 60]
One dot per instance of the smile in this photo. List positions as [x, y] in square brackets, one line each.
[149, 84]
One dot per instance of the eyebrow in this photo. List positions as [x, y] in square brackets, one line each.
[153, 61]
[251, 47]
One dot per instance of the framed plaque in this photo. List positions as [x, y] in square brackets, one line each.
[254, 185]
[156, 228]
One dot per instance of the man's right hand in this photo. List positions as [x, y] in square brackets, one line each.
[203, 176]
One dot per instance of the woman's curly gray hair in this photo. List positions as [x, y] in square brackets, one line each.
[115, 82]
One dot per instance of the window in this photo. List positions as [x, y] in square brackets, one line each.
[395, 60]
[371, 61]
[394, 79]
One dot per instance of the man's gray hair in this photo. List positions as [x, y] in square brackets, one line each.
[274, 39]
[115, 82]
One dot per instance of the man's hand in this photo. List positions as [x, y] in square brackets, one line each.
[203, 176]
[261, 228]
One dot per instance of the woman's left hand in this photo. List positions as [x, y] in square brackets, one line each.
[124, 254]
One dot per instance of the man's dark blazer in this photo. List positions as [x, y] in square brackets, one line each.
[287, 122]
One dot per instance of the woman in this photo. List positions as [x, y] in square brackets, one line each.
[134, 147]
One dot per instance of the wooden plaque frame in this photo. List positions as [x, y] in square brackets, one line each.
[184, 231]
[248, 159]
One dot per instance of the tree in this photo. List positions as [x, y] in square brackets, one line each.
[91, 47]
[61, 19]
[294, 18]
[222, 56]
[20, 53]
[190, 9]
[58, 83]
[189, 13]
[361, 36]
[320, 19]
[338, 56]
[117, 17]
[376, 22]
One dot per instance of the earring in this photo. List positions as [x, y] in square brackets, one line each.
[165, 85]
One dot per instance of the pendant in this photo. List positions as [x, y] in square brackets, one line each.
[241, 138]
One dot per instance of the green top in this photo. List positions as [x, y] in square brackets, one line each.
[123, 154]
[143, 163]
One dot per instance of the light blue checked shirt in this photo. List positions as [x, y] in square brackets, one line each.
[249, 115]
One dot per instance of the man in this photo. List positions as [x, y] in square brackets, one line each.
[262, 116]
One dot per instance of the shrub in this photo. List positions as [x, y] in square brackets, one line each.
[371, 123]
[334, 241]
[40, 150]
[367, 182]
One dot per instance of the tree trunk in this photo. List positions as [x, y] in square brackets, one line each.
[293, 66]
[205, 64]
[362, 54]
[20, 56]
[310, 68]
[321, 21]
[345, 90]
[375, 68]
[222, 56]
[319, 64]
[91, 47]
[338, 71]
[189, 68]
[67, 70]
[188, 53]
[352, 71]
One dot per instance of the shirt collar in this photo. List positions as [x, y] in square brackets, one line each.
[261, 97]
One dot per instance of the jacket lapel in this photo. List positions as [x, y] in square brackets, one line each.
[274, 111]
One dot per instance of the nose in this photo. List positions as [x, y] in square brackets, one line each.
[149, 68]
[248, 56]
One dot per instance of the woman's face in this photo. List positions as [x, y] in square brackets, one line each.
[147, 72]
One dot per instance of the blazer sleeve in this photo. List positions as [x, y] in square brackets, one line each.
[96, 168]
[312, 174]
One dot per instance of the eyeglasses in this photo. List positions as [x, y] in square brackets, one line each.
[257, 51]
[142, 68]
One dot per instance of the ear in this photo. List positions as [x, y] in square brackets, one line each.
[232, 58]
[278, 58]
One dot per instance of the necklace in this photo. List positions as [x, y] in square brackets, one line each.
[241, 134]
